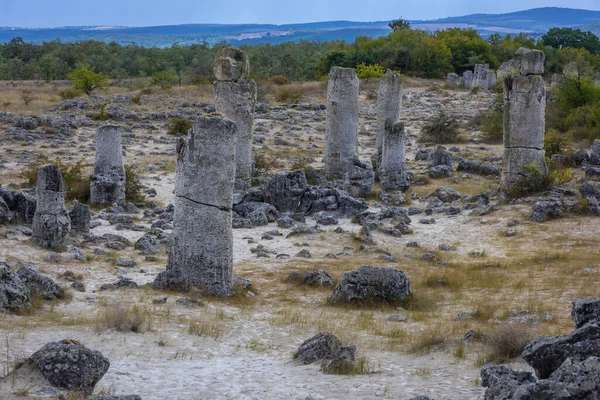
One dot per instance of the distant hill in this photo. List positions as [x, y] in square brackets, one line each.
[594, 28]
[535, 22]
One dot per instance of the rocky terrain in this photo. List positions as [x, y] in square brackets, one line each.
[477, 263]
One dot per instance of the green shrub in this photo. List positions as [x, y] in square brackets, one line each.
[535, 182]
[556, 142]
[288, 95]
[492, 120]
[179, 126]
[366, 72]
[264, 165]
[441, 128]
[133, 187]
[76, 181]
[85, 79]
[101, 115]
[164, 79]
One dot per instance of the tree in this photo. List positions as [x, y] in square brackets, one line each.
[560, 38]
[86, 80]
[399, 24]
[366, 72]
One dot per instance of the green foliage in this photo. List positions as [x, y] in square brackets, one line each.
[441, 128]
[86, 80]
[366, 72]
[264, 165]
[535, 181]
[27, 96]
[179, 126]
[556, 142]
[467, 48]
[75, 180]
[574, 38]
[133, 187]
[101, 115]
[288, 95]
[399, 24]
[576, 110]
[164, 79]
[492, 120]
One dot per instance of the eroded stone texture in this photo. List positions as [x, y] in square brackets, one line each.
[359, 178]
[51, 223]
[201, 252]
[231, 64]
[480, 75]
[509, 69]
[80, 216]
[453, 79]
[392, 174]
[467, 80]
[341, 146]
[532, 61]
[490, 80]
[389, 105]
[237, 100]
[371, 284]
[284, 190]
[524, 120]
[108, 180]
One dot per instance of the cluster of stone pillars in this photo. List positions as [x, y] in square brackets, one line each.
[341, 147]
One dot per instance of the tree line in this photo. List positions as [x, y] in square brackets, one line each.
[410, 51]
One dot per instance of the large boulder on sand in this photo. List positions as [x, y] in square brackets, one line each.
[585, 310]
[319, 347]
[70, 365]
[502, 381]
[368, 283]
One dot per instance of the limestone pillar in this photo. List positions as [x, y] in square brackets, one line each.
[392, 174]
[51, 224]
[524, 118]
[389, 105]
[108, 180]
[201, 252]
[235, 97]
[341, 146]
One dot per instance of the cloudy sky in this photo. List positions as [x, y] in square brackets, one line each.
[53, 13]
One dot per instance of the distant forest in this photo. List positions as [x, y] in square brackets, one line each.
[410, 51]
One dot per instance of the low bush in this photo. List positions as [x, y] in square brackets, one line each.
[179, 126]
[75, 178]
[507, 341]
[288, 95]
[441, 128]
[279, 80]
[133, 187]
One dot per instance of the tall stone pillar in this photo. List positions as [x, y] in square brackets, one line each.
[235, 97]
[108, 180]
[389, 105]
[392, 174]
[524, 118]
[341, 146]
[51, 223]
[201, 252]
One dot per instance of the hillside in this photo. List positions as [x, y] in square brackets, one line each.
[536, 22]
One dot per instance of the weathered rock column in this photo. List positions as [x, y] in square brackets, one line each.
[479, 75]
[392, 175]
[524, 118]
[389, 105]
[467, 80]
[51, 224]
[235, 97]
[108, 180]
[341, 146]
[201, 252]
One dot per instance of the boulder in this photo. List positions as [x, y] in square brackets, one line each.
[446, 194]
[368, 283]
[148, 245]
[80, 215]
[532, 61]
[439, 156]
[38, 284]
[318, 278]
[440, 171]
[546, 354]
[542, 209]
[585, 310]
[284, 190]
[478, 168]
[359, 178]
[501, 381]
[319, 347]
[259, 214]
[70, 365]
[13, 292]
[330, 199]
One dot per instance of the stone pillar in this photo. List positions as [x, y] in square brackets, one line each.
[453, 79]
[341, 146]
[108, 180]
[389, 104]
[80, 216]
[51, 224]
[524, 118]
[392, 174]
[479, 75]
[201, 252]
[235, 97]
[467, 80]
[490, 80]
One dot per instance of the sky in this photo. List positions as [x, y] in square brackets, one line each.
[56, 13]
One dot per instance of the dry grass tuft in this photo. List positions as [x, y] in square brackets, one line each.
[123, 319]
[507, 341]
